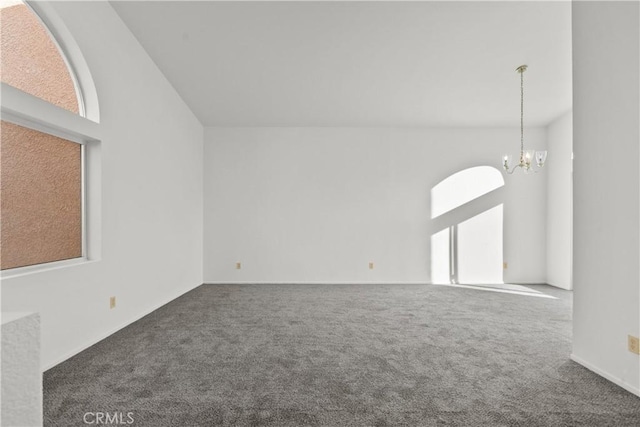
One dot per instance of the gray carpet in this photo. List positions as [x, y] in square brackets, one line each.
[339, 355]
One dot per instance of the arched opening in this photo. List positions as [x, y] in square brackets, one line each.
[467, 214]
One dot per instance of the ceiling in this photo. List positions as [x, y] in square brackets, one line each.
[360, 63]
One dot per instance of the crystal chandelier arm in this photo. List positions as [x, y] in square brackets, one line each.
[527, 170]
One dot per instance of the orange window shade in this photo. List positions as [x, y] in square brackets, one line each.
[40, 197]
[30, 60]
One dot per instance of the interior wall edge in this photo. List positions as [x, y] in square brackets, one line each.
[325, 282]
[630, 388]
[121, 326]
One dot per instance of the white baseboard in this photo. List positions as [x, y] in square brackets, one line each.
[606, 375]
[306, 282]
[117, 328]
[565, 287]
[310, 283]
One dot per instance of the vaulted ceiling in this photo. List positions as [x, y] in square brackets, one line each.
[360, 63]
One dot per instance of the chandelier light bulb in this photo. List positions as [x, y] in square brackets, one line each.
[541, 157]
[507, 161]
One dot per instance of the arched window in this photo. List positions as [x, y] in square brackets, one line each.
[42, 149]
[31, 59]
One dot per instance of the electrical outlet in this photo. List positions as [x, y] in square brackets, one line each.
[370, 266]
[112, 302]
[504, 265]
[634, 345]
[238, 265]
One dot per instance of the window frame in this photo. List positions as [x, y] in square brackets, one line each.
[25, 123]
[34, 113]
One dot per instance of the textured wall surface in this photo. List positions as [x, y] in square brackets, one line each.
[41, 203]
[31, 61]
[21, 375]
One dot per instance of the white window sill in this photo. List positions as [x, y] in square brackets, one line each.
[42, 268]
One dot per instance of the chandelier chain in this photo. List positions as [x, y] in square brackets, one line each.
[521, 113]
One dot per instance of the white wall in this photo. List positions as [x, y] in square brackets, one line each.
[151, 197]
[606, 188]
[21, 375]
[308, 205]
[559, 169]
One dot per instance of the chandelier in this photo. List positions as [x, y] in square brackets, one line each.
[526, 156]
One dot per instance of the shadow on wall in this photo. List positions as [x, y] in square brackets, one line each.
[467, 227]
